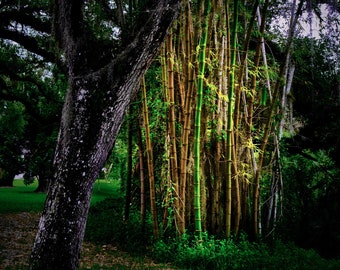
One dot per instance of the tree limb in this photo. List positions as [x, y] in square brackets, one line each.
[31, 44]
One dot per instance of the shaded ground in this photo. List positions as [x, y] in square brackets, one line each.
[17, 233]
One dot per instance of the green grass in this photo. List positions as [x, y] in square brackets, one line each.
[104, 189]
[22, 198]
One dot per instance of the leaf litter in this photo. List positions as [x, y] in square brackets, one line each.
[17, 234]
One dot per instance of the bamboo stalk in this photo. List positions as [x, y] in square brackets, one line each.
[230, 118]
[172, 117]
[129, 170]
[268, 123]
[149, 156]
[187, 112]
[197, 132]
[142, 178]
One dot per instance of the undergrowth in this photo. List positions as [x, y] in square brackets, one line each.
[212, 253]
[106, 225]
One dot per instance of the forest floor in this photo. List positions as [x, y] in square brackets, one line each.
[17, 233]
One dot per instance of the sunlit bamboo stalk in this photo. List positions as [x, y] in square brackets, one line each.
[197, 131]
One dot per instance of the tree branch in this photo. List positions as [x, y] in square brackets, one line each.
[25, 17]
[29, 43]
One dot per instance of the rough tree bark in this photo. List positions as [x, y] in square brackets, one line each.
[100, 89]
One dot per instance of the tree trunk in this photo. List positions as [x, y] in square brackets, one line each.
[6, 178]
[93, 111]
[43, 182]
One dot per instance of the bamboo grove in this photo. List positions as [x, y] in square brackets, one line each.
[209, 134]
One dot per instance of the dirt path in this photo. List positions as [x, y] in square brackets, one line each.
[17, 233]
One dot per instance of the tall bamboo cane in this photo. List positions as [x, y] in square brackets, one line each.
[230, 118]
[268, 123]
[197, 132]
[149, 156]
[188, 68]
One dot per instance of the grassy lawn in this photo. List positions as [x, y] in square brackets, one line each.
[21, 232]
[22, 198]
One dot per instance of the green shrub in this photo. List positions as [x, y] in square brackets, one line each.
[237, 254]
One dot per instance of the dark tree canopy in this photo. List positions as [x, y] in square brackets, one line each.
[31, 73]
